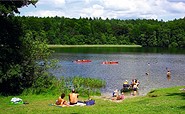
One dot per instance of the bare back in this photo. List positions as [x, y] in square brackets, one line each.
[73, 98]
[60, 101]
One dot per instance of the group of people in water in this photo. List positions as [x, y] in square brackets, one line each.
[133, 87]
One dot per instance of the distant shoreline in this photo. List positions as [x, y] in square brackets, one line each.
[57, 46]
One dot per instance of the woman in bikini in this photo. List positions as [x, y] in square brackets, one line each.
[61, 101]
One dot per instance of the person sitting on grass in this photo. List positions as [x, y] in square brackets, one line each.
[61, 101]
[117, 95]
[121, 97]
[73, 97]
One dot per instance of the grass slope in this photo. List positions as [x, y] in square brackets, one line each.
[161, 101]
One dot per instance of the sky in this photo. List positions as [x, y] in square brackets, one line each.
[113, 9]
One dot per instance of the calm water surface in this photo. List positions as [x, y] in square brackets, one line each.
[132, 65]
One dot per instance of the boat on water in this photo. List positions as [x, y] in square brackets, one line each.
[110, 62]
[82, 61]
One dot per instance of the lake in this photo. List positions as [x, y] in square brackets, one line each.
[134, 63]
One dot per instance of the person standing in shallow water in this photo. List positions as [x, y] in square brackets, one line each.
[168, 74]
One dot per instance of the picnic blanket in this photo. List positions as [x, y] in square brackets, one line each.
[80, 103]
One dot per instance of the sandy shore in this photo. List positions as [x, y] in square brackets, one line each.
[107, 96]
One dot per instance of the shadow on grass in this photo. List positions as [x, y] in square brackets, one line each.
[152, 94]
[182, 107]
[182, 94]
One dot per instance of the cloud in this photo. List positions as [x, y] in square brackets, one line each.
[176, 0]
[170, 10]
[53, 2]
[93, 11]
[120, 9]
[45, 13]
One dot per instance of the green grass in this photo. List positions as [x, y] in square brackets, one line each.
[161, 101]
[57, 46]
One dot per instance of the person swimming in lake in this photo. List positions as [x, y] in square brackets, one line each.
[168, 74]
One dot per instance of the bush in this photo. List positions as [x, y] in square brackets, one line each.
[85, 86]
[173, 45]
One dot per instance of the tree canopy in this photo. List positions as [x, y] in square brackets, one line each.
[8, 7]
[24, 53]
[71, 31]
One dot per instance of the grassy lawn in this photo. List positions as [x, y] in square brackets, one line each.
[161, 101]
[57, 46]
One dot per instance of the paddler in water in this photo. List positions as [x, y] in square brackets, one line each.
[168, 74]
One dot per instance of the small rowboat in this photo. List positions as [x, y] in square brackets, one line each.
[110, 62]
[82, 61]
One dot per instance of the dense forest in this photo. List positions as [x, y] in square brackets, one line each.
[67, 31]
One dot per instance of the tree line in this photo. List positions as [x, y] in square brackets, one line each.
[71, 31]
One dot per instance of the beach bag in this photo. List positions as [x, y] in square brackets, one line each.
[90, 102]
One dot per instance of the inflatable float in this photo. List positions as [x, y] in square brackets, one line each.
[82, 61]
[110, 62]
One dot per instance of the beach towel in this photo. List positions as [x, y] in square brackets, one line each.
[15, 100]
[79, 104]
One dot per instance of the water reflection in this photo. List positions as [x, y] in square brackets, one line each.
[105, 50]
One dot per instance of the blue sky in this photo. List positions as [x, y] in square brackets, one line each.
[117, 9]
